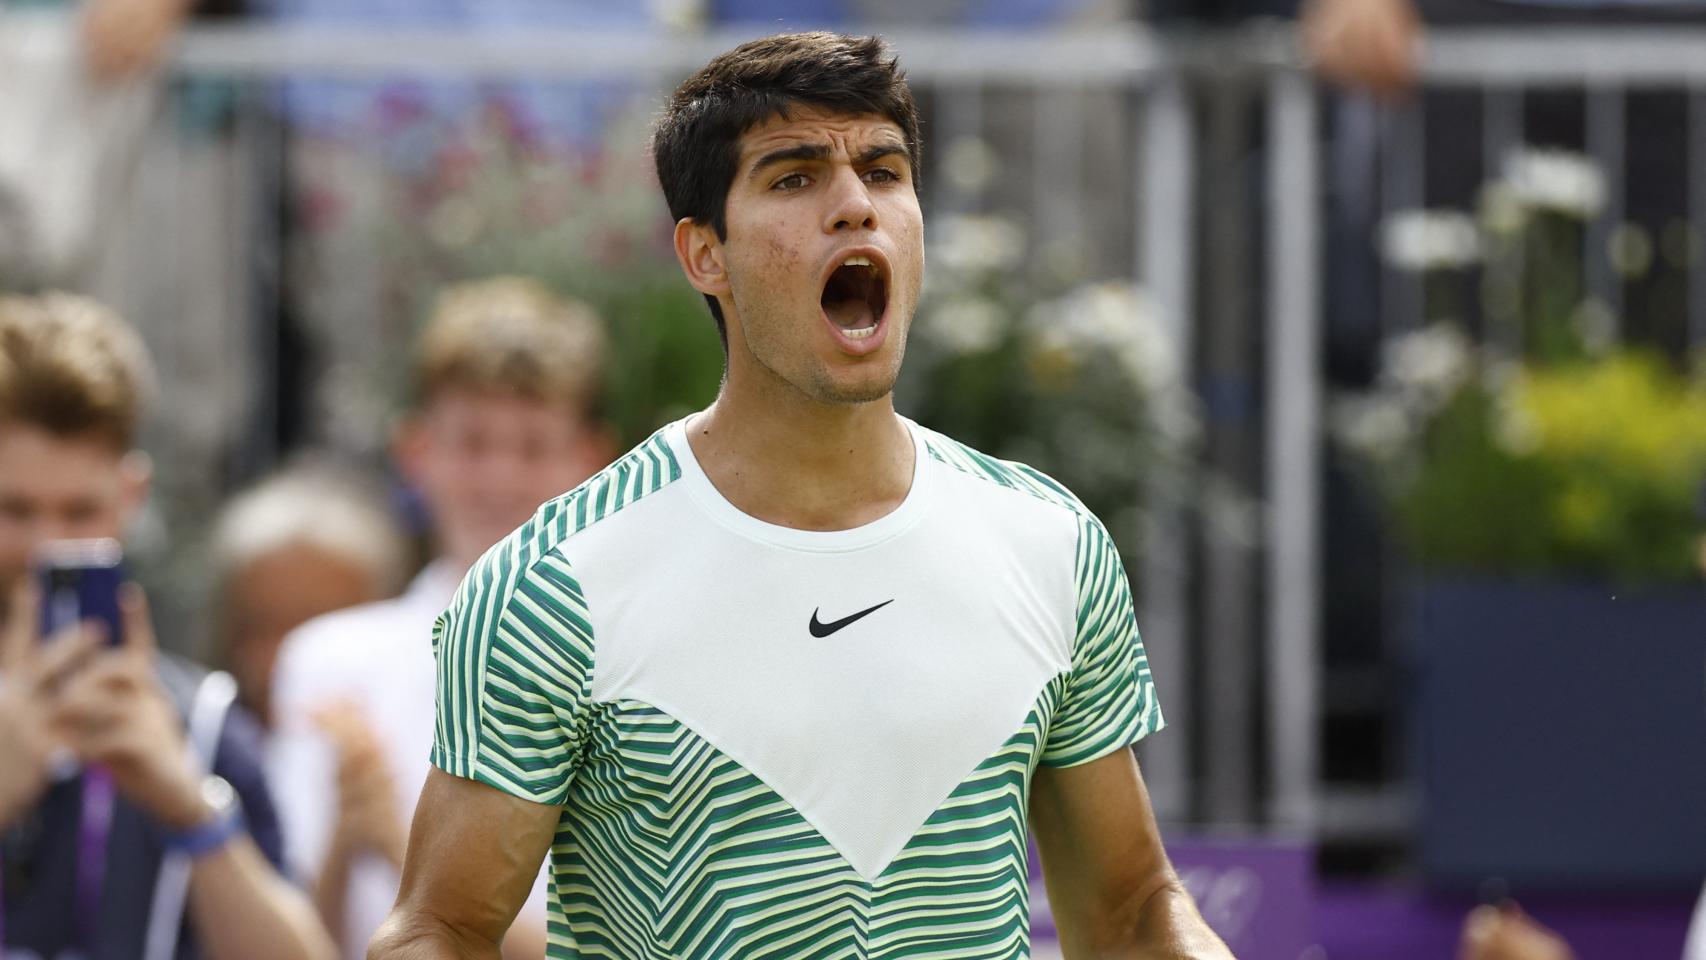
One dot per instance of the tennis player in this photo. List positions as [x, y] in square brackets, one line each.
[792, 678]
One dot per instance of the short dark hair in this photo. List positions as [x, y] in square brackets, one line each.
[696, 144]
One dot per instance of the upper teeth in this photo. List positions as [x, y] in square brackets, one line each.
[858, 262]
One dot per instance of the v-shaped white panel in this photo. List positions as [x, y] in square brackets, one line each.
[868, 730]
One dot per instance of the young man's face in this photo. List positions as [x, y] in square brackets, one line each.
[61, 488]
[824, 256]
[486, 461]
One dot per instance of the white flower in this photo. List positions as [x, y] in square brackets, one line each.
[1514, 428]
[1421, 240]
[1427, 365]
[1596, 325]
[1378, 427]
[973, 244]
[1114, 318]
[1558, 180]
[1502, 211]
[966, 324]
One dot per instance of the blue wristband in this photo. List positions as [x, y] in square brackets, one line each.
[214, 833]
[210, 836]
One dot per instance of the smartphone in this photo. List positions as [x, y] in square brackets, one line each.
[79, 581]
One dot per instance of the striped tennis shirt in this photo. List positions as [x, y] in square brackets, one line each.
[769, 742]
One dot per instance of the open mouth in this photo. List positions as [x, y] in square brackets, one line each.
[855, 297]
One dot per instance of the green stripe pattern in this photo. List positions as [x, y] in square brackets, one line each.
[667, 848]
[671, 849]
[515, 648]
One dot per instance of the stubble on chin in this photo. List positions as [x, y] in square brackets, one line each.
[874, 378]
[768, 349]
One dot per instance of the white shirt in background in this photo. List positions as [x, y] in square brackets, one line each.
[377, 656]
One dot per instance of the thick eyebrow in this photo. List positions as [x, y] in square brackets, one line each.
[818, 151]
[803, 151]
[881, 150]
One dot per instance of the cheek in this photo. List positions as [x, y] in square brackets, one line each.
[768, 264]
[109, 521]
[15, 548]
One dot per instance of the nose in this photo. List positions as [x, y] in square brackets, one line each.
[850, 203]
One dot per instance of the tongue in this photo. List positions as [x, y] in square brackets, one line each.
[852, 313]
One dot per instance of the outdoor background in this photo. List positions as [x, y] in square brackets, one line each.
[1394, 406]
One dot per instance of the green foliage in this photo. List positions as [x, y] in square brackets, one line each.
[1546, 451]
[1587, 468]
[1073, 380]
[590, 224]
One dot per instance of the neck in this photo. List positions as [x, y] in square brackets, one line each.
[785, 459]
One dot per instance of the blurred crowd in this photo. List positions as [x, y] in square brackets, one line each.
[107, 795]
[145, 809]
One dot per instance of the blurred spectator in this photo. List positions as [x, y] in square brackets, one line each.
[79, 78]
[113, 838]
[332, 541]
[1371, 45]
[504, 417]
[1506, 933]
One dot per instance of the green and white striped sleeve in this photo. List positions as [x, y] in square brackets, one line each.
[1109, 701]
[514, 655]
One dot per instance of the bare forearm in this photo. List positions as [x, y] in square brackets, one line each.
[243, 910]
[405, 936]
[1170, 928]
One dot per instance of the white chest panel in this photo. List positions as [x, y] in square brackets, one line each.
[704, 613]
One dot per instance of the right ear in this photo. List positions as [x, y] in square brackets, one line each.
[700, 253]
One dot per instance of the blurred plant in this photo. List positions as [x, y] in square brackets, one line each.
[1587, 467]
[493, 200]
[1546, 450]
[1077, 381]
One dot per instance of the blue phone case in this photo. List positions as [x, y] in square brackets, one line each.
[79, 581]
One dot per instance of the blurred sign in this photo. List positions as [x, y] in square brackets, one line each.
[1258, 894]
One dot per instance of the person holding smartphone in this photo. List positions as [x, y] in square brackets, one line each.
[134, 818]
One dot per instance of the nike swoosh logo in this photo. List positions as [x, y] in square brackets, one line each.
[821, 630]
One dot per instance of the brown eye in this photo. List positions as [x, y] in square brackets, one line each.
[792, 181]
